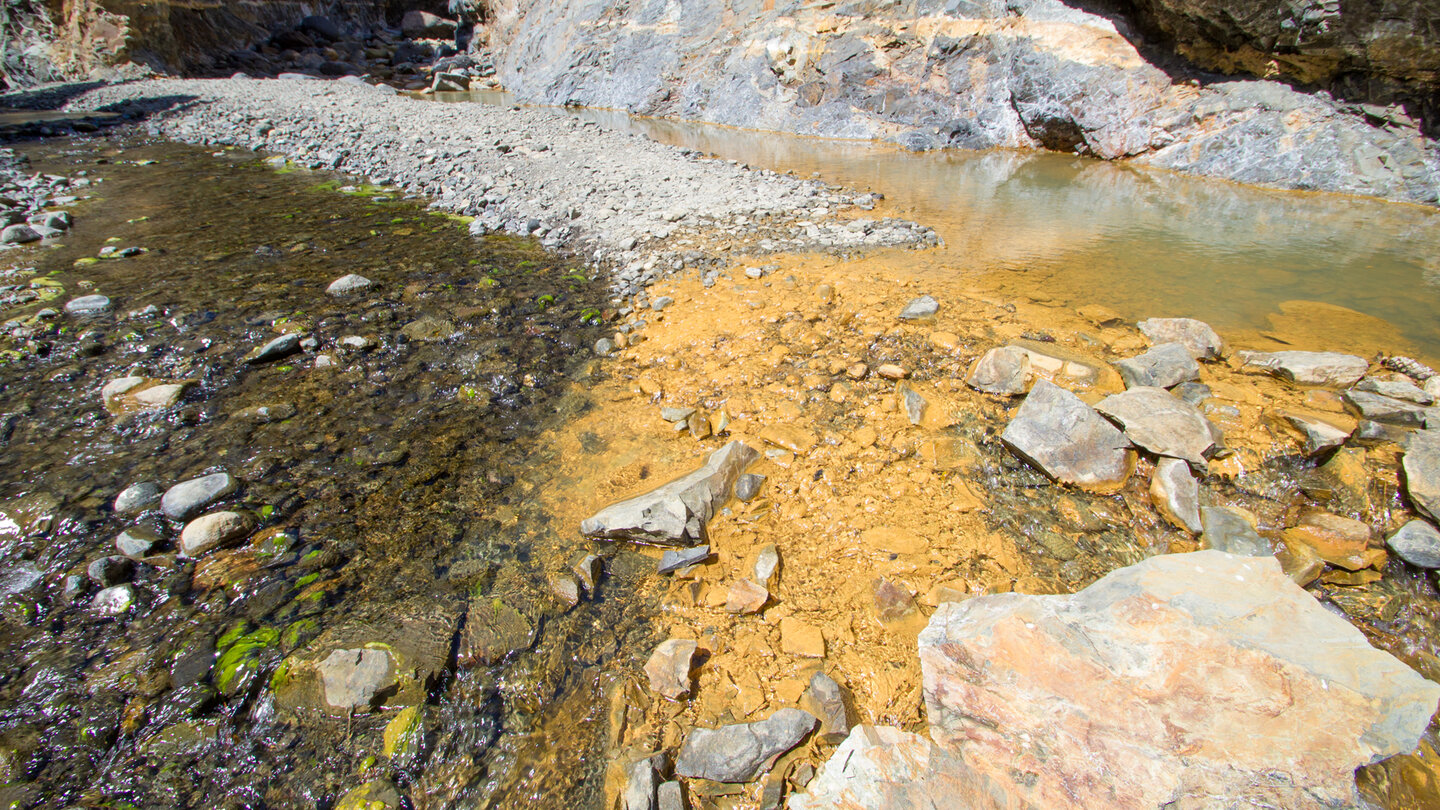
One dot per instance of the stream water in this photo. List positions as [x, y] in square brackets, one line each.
[1142, 242]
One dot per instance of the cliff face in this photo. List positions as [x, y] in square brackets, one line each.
[938, 73]
[1379, 50]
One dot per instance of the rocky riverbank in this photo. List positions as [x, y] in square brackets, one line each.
[618, 200]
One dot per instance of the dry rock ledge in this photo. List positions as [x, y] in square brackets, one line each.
[1178, 679]
[616, 199]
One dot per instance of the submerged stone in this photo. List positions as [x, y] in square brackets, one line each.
[282, 346]
[675, 559]
[188, 498]
[675, 513]
[1232, 530]
[493, 632]
[347, 284]
[1068, 441]
[824, 699]
[353, 679]
[136, 498]
[1141, 713]
[212, 531]
[88, 305]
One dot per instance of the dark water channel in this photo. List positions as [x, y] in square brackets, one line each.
[376, 498]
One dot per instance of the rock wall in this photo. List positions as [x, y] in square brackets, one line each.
[947, 73]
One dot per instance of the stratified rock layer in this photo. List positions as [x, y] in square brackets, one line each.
[1179, 679]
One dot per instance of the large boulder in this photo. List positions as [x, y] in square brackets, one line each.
[675, 514]
[1068, 441]
[1167, 683]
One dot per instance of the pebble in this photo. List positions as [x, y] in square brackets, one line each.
[920, 308]
[212, 531]
[890, 371]
[282, 346]
[347, 284]
[676, 414]
[136, 542]
[188, 498]
[88, 305]
[587, 568]
[135, 498]
[114, 601]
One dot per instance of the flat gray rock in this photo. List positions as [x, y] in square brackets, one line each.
[1002, 370]
[1192, 392]
[640, 787]
[1232, 531]
[1162, 367]
[189, 498]
[1161, 423]
[137, 542]
[676, 513]
[1308, 368]
[920, 308]
[1199, 340]
[1319, 436]
[136, 498]
[352, 679]
[1068, 441]
[741, 752]
[885, 768]
[675, 559]
[1380, 408]
[282, 346]
[19, 235]
[1417, 543]
[1396, 389]
[347, 284]
[88, 305]
[1176, 494]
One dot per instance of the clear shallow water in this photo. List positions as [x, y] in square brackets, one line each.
[1145, 243]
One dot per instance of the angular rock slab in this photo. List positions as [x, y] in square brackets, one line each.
[1319, 436]
[1176, 680]
[1164, 366]
[1199, 340]
[1417, 543]
[669, 667]
[1068, 441]
[884, 768]
[1308, 368]
[1422, 472]
[741, 752]
[1176, 494]
[1380, 408]
[1160, 422]
[674, 514]
[1003, 370]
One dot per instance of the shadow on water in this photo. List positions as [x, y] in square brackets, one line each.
[393, 492]
[1145, 243]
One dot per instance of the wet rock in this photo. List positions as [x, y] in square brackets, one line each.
[640, 786]
[1068, 441]
[676, 513]
[671, 414]
[1199, 340]
[587, 568]
[1378, 408]
[920, 309]
[87, 305]
[767, 564]
[1421, 463]
[1340, 541]
[113, 601]
[428, 329]
[18, 235]
[824, 699]
[1417, 543]
[1396, 389]
[676, 559]
[353, 679]
[1176, 494]
[136, 543]
[565, 589]
[913, 404]
[1004, 370]
[741, 752]
[746, 597]
[359, 343]
[669, 668]
[604, 347]
[1308, 368]
[282, 346]
[380, 794]
[136, 498]
[1232, 530]
[128, 395]
[1319, 436]
[348, 284]
[748, 486]
[265, 414]
[188, 498]
[215, 530]
[1162, 367]
[108, 571]
[404, 736]
[1141, 714]
[493, 632]
[1155, 420]
[880, 768]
